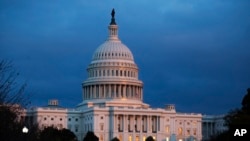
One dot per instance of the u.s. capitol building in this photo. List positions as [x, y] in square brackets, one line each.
[113, 104]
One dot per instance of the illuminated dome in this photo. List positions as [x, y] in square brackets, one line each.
[112, 49]
[112, 75]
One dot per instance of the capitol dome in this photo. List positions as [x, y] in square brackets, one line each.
[113, 50]
[112, 75]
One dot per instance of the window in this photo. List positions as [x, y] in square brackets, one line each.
[101, 126]
[101, 117]
[45, 118]
[101, 137]
[194, 132]
[120, 137]
[76, 119]
[60, 119]
[137, 138]
[180, 131]
[167, 129]
[69, 119]
[188, 131]
[52, 118]
[130, 138]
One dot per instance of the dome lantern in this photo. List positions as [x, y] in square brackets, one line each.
[113, 28]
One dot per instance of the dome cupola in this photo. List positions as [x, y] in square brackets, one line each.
[113, 48]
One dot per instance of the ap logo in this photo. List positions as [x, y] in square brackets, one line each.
[240, 132]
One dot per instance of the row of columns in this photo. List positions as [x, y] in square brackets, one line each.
[112, 91]
[137, 123]
[209, 128]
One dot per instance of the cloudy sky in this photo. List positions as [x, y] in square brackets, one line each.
[191, 53]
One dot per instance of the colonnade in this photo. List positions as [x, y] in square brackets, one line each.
[137, 123]
[208, 129]
[112, 91]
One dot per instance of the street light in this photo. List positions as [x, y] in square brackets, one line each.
[25, 131]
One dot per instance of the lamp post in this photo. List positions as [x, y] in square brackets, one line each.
[25, 132]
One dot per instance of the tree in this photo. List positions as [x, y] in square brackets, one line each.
[90, 136]
[240, 116]
[10, 129]
[11, 93]
[12, 99]
[150, 138]
[53, 134]
[236, 118]
[115, 139]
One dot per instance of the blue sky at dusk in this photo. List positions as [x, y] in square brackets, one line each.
[191, 53]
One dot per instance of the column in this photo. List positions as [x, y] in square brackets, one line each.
[125, 129]
[98, 92]
[104, 91]
[139, 123]
[90, 91]
[115, 123]
[137, 93]
[119, 91]
[115, 91]
[129, 91]
[109, 90]
[141, 93]
[84, 93]
[211, 130]
[133, 123]
[122, 123]
[87, 94]
[94, 92]
[148, 124]
[207, 129]
[132, 91]
[124, 91]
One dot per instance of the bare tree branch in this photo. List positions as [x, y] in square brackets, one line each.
[11, 92]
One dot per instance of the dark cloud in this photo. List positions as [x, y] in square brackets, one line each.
[194, 54]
